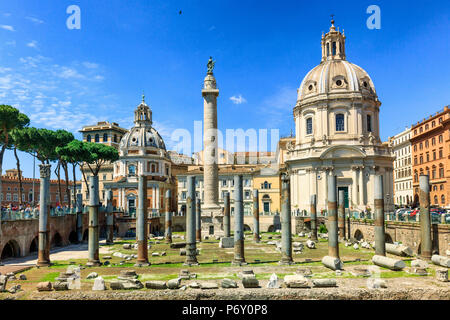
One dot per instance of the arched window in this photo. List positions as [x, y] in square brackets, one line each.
[88, 138]
[440, 139]
[441, 171]
[340, 123]
[435, 199]
[309, 128]
[328, 49]
[369, 123]
[266, 185]
[416, 177]
[97, 138]
[132, 170]
[433, 173]
[442, 199]
[334, 48]
[105, 137]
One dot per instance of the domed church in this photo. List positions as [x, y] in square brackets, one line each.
[338, 133]
[142, 151]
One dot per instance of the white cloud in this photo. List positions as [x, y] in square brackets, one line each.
[90, 65]
[35, 20]
[32, 44]
[238, 100]
[67, 73]
[6, 27]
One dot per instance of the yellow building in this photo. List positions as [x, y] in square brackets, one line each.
[268, 184]
[106, 133]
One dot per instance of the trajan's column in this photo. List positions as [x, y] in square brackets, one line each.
[212, 217]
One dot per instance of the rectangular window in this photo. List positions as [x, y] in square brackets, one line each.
[340, 125]
[369, 123]
[309, 126]
[8, 197]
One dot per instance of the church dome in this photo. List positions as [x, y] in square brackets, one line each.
[142, 135]
[335, 75]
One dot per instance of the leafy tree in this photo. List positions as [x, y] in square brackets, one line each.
[10, 118]
[62, 138]
[74, 153]
[40, 143]
[22, 122]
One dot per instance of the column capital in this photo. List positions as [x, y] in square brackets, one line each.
[44, 170]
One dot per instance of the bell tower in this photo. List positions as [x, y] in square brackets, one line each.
[333, 44]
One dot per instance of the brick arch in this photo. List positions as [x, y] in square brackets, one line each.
[247, 228]
[56, 240]
[358, 235]
[11, 249]
[33, 242]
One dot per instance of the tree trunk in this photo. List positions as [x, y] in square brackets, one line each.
[19, 174]
[2, 152]
[74, 185]
[66, 175]
[58, 174]
[84, 178]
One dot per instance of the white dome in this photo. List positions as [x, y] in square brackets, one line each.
[336, 77]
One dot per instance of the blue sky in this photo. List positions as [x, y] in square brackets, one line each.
[69, 78]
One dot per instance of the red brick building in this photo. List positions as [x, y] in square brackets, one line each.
[10, 190]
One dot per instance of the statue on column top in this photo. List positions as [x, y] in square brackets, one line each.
[210, 65]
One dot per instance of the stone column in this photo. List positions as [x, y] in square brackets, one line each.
[341, 215]
[79, 209]
[361, 186]
[226, 217]
[333, 246]
[191, 246]
[354, 186]
[425, 222]
[210, 153]
[109, 218]
[44, 252]
[198, 221]
[141, 223]
[239, 258]
[93, 246]
[168, 218]
[380, 241]
[332, 261]
[255, 216]
[313, 209]
[286, 237]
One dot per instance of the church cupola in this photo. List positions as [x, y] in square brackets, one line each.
[333, 44]
[143, 114]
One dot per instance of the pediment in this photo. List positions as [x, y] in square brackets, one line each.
[337, 152]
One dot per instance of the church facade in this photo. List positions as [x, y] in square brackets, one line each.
[142, 152]
[338, 133]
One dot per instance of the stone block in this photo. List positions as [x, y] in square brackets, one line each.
[44, 286]
[296, 281]
[209, 285]
[273, 282]
[332, 263]
[3, 282]
[442, 275]
[61, 286]
[226, 242]
[174, 283]
[419, 264]
[99, 284]
[155, 285]
[376, 284]
[304, 271]
[390, 263]
[92, 275]
[441, 260]
[228, 283]
[324, 283]
[249, 281]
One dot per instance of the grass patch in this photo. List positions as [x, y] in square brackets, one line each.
[51, 276]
